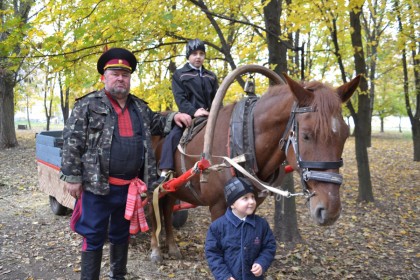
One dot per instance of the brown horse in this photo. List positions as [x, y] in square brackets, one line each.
[300, 123]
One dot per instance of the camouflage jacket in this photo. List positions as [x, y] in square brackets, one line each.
[87, 141]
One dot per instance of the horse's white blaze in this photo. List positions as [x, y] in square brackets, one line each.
[335, 125]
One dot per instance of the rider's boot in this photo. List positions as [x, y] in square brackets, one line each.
[165, 175]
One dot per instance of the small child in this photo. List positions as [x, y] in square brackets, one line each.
[240, 244]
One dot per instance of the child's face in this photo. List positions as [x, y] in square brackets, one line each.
[245, 205]
[196, 58]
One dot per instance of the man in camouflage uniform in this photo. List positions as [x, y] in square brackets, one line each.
[107, 146]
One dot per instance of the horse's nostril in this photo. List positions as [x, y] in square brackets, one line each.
[320, 214]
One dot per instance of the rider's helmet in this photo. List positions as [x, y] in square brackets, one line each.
[194, 45]
[237, 187]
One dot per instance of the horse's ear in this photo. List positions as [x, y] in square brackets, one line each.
[346, 91]
[303, 95]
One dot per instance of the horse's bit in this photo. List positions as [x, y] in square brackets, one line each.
[306, 174]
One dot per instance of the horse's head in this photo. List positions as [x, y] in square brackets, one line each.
[315, 141]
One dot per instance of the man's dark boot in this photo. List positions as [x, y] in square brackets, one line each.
[118, 261]
[91, 265]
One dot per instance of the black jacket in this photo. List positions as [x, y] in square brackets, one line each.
[192, 90]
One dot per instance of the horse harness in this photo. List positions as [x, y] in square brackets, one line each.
[290, 138]
[241, 134]
[197, 125]
[241, 143]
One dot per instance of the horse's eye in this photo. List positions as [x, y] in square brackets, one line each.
[306, 136]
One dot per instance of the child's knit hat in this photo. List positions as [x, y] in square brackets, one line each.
[235, 188]
[194, 45]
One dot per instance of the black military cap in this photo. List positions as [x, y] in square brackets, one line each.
[117, 58]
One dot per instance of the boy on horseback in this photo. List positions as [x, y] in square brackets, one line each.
[194, 88]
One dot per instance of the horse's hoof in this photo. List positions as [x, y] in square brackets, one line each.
[176, 254]
[156, 259]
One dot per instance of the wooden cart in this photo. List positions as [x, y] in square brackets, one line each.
[48, 157]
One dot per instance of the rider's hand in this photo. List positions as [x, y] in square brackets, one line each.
[201, 112]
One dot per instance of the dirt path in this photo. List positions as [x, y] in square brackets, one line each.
[370, 241]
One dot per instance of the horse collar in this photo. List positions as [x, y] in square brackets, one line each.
[241, 134]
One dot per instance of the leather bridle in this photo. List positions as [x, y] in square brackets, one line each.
[291, 138]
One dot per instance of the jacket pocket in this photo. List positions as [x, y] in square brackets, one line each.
[97, 117]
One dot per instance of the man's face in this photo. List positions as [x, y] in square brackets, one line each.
[196, 58]
[117, 83]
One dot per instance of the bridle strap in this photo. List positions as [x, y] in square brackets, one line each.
[290, 138]
[322, 176]
[321, 164]
[283, 143]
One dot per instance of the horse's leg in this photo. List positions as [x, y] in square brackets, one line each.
[217, 210]
[155, 255]
[168, 206]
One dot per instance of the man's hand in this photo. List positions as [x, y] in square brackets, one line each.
[74, 189]
[201, 113]
[182, 120]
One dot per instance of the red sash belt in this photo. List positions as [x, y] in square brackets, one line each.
[134, 211]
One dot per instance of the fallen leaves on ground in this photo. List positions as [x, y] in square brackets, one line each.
[378, 240]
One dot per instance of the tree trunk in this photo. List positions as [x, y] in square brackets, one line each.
[285, 227]
[277, 51]
[7, 111]
[415, 128]
[362, 119]
[285, 222]
[48, 100]
[415, 122]
[414, 117]
[382, 125]
[7, 78]
[27, 112]
[64, 98]
[362, 158]
[48, 112]
[399, 126]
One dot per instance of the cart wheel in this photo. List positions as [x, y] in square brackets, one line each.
[56, 207]
[179, 218]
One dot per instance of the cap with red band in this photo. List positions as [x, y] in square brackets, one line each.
[117, 58]
[118, 64]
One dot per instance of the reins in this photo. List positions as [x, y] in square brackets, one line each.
[233, 162]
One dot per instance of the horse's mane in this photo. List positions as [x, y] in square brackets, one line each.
[326, 103]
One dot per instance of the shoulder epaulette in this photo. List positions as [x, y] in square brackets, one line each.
[90, 93]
